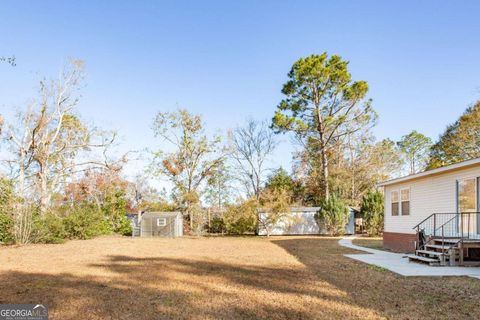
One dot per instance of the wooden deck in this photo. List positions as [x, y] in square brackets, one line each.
[449, 252]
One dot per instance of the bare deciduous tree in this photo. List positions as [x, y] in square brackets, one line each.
[195, 157]
[9, 60]
[253, 144]
[51, 144]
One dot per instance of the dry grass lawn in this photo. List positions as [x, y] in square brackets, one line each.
[222, 278]
[369, 242]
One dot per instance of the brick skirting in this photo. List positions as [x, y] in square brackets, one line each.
[399, 242]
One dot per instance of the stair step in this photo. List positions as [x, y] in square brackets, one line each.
[437, 246]
[430, 261]
[431, 253]
[446, 240]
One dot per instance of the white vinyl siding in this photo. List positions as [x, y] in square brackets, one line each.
[432, 194]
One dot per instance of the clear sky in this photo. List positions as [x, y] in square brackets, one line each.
[227, 60]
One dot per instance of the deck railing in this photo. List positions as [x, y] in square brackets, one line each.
[462, 226]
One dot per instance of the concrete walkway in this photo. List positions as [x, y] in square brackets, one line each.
[396, 262]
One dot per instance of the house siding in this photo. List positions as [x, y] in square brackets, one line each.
[431, 194]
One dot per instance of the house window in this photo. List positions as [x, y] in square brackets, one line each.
[161, 222]
[395, 204]
[405, 200]
[467, 198]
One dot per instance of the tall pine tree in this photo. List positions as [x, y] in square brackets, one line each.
[460, 141]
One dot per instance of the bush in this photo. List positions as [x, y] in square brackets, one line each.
[86, 222]
[49, 229]
[124, 227]
[217, 225]
[332, 216]
[80, 222]
[276, 207]
[6, 229]
[113, 209]
[372, 212]
[6, 219]
[242, 218]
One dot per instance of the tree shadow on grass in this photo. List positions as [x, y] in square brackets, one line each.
[326, 285]
[388, 294]
[124, 287]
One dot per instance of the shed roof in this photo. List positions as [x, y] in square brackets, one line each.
[163, 214]
[456, 166]
[305, 209]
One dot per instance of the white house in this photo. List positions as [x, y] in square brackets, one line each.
[442, 202]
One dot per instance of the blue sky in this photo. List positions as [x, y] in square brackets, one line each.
[228, 60]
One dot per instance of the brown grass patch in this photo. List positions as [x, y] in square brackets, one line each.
[222, 278]
[370, 242]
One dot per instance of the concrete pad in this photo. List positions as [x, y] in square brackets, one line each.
[396, 262]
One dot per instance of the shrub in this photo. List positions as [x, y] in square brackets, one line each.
[276, 205]
[6, 218]
[86, 222]
[332, 216]
[114, 208]
[49, 229]
[241, 218]
[24, 215]
[124, 227]
[6, 229]
[372, 212]
[217, 225]
[83, 221]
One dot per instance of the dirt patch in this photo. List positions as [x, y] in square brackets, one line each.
[221, 278]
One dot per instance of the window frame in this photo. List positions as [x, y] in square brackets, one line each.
[402, 201]
[163, 222]
[395, 202]
[476, 185]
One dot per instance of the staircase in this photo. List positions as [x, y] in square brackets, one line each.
[438, 252]
[443, 239]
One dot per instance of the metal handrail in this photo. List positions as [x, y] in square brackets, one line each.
[443, 213]
[434, 231]
[442, 227]
[424, 220]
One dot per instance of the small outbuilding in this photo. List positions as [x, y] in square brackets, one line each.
[158, 224]
[302, 222]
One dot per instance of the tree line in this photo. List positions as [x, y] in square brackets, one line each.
[60, 178]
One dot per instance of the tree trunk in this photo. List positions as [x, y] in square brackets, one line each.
[323, 154]
[44, 192]
[21, 177]
[324, 177]
[190, 217]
